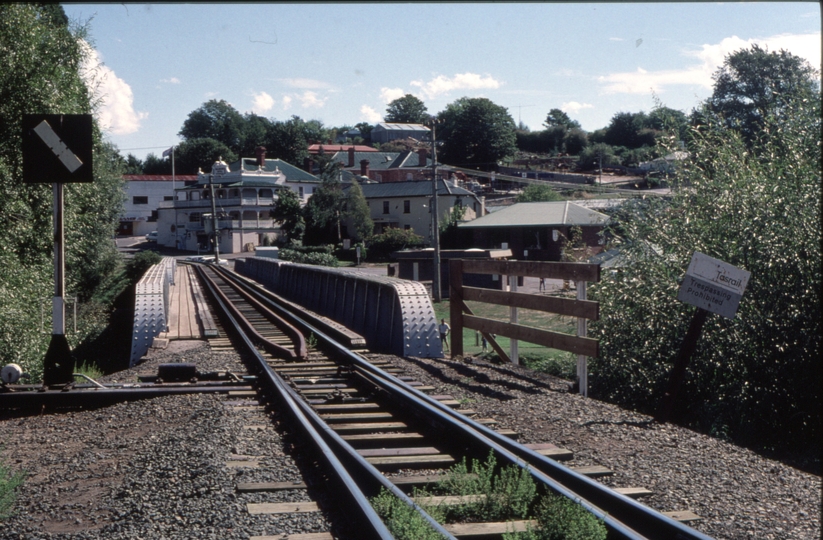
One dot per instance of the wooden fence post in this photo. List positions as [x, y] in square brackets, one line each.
[455, 306]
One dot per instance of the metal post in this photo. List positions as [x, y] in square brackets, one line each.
[582, 361]
[515, 357]
[687, 348]
[215, 232]
[436, 291]
[58, 364]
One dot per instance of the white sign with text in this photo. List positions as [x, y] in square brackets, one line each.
[713, 285]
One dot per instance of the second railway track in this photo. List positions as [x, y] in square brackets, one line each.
[373, 429]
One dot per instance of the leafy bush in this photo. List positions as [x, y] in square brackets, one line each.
[351, 254]
[558, 363]
[141, 262]
[383, 245]
[561, 519]
[507, 495]
[319, 259]
[755, 377]
[403, 522]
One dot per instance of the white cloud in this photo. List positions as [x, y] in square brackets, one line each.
[262, 102]
[286, 102]
[462, 81]
[615, 39]
[308, 84]
[370, 115]
[115, 112]
[390, 94]
[173, 80]
[573, 106]
[710, 58]
[310, 100]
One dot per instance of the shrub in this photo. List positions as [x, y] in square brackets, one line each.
[141, 262]
[404, 522]
[383, 245]
[318, 259]
[561, 519]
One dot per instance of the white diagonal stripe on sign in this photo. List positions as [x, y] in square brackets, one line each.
[66, 156]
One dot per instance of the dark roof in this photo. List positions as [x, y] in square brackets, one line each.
[379, 161]
[385, 190]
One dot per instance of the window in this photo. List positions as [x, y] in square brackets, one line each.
[168, 198]
[140, 200]
[407, 227]
[406, 207]
[385, 207]
[409, 177]
[300, 191]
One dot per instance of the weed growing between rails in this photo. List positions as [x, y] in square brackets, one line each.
[487, 494]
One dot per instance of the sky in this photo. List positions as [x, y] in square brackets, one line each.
[343, 63]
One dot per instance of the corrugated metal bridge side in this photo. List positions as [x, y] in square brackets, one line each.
[393, 315]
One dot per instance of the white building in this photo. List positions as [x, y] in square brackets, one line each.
[244, 196]
[144, 193]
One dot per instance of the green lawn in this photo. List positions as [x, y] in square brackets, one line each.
[552, 361]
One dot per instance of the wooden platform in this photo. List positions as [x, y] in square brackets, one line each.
[189, 315]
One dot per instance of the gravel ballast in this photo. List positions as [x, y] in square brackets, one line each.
[157, 469]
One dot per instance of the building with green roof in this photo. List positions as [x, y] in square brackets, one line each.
[244, 194]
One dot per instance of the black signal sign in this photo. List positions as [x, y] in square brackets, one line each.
[57, 148]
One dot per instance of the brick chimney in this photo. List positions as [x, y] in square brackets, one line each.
[422, 153]
[351, 156]
[307, 165]
[260, 151]
[364, 167]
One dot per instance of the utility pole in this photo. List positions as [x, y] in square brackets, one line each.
[215, 232]
[436, 292]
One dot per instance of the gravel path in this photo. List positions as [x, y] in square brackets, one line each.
[156, 469]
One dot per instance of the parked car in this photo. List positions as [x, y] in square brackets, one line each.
[152, 236]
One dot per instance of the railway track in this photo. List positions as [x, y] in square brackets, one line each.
[374, 429]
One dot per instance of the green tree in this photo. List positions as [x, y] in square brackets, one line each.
[754, 85]
[43, 58]
[539, 193]
[199, 154]
[288, 213]
[476, 133]
[754, 378]
[558, 118]
[288, 141]
[365, 131]
[630, 130]
[324, 209]
[157, 165]
[408, 109]
[255, 129]
[218, 120]
[358, 213]
[574, 141]
[592, 156]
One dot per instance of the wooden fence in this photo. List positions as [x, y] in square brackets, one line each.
[585, 310]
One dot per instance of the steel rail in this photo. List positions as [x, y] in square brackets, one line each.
[373, 526]
[272, 348]
[635, 519]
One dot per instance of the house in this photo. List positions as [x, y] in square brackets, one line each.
[538, 231]
[407, 205]
[144, 193]
[388, 166]
[244, 195]
[666, 164]
[385, 132]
